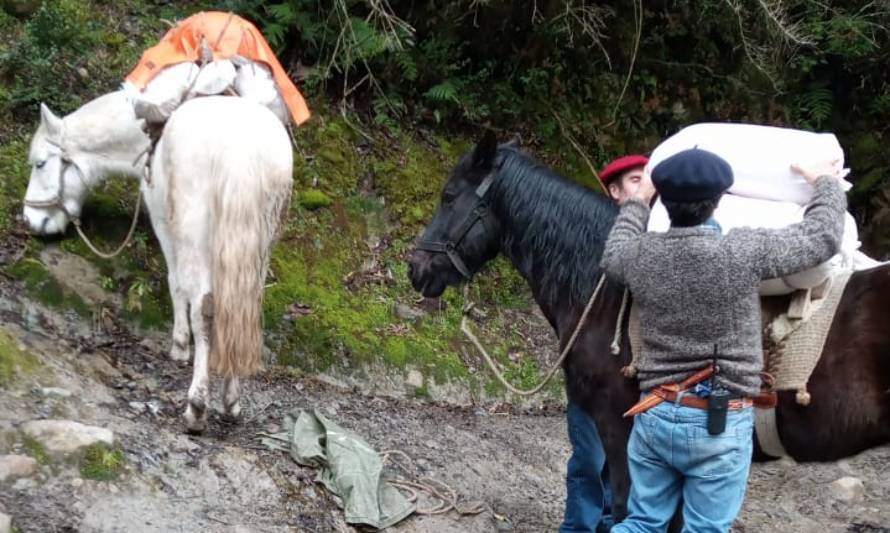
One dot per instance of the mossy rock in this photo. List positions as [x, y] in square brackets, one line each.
[313, 199]
[13, 360]
[45, 288]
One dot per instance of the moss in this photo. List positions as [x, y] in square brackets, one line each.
[36, 450]
[15, 171]
[13, 360]
[101, 462]
[313, 199]
[40, 283]
[410, 179]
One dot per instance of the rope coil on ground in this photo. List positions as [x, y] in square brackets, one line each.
[437, 490]
[465, 327]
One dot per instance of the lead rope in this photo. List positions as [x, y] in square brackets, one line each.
[616, 338]
[465, 327]
[435, 489]
[109, 255]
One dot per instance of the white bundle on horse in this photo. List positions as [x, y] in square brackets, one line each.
[766, 193]
[165, 92]
[178, 83]
[254, 81]
[760, 156]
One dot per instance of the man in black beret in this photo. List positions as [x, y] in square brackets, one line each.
[697, 292]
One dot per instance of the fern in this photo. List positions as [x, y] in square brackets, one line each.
[446, 91]
[816, 105]
[407, 66]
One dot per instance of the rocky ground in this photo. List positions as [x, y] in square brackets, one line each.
[90, 440]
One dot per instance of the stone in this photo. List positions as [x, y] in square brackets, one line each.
[5, 523]
[57, 392]
[16, 466]
[414, 379]
[406, 312]
[847, 488]
[77, 483]
[66, 436]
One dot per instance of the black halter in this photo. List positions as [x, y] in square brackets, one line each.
[450, 247]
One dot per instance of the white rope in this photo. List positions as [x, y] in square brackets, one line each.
[616, 338]
[465, 327]
[109, 255]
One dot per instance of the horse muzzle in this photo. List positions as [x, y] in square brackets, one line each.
[426, 276]
[42, 221]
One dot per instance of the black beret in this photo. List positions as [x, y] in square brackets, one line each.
[692, 176]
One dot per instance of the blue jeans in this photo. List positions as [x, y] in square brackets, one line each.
[588, 497]
[671, 454]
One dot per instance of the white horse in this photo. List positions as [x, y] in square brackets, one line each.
[220, 186]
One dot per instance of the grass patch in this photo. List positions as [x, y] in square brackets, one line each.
[13, 360]
[102, 463]
[36, 450]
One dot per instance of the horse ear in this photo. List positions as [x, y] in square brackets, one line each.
[50, 121]
[485, 152]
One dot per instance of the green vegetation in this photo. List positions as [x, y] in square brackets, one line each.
[36, 450]
[13, 360]
[313, 199]
[101, 462]
[47, 289]
[399, 91]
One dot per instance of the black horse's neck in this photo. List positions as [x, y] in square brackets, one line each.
[553, 230]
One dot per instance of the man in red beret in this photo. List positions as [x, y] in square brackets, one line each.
[623, 177]
[588, 495]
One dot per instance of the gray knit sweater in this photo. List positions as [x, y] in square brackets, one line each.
[696, 288]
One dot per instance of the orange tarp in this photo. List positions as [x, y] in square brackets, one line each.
[226, 35]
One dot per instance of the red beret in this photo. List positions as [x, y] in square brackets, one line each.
[615, 168]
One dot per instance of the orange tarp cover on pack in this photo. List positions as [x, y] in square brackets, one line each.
[226, 35]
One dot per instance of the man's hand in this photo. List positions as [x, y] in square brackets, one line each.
[825, 168]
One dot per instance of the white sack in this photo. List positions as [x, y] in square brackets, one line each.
[213, 78]
[760, 156]
[736, 212]
[254, 81]
[165, 92]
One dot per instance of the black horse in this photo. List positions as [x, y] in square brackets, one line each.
[499, 200]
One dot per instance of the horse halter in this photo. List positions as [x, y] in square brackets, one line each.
[449, 248]
[58, 201]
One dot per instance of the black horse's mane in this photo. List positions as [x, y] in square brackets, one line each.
[554, 229]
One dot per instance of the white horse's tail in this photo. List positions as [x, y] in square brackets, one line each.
[246, 213]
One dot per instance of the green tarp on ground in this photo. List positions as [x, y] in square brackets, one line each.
[347, 465]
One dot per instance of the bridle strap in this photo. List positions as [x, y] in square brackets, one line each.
[449, 248]
[59, 203]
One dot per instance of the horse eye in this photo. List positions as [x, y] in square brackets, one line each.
[40, 164]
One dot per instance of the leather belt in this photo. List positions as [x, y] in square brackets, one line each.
[691, 400]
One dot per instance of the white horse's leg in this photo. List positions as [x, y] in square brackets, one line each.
[155, 202]
[201, 312]
[232, 398]
[179, 351]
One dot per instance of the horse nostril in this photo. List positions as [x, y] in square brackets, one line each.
[43, 224]
[410, 269]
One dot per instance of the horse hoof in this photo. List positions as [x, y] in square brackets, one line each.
[195, 417]
[232, 413]
[180, 355]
